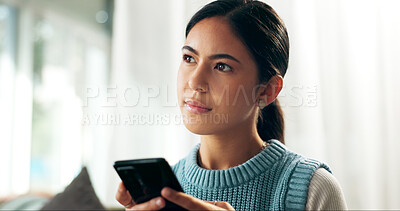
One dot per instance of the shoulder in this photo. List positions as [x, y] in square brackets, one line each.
[178, 166]
[299, 180]
[324, 192]
[296, 173]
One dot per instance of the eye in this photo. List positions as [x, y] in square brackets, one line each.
[223, 67]
[188, 59]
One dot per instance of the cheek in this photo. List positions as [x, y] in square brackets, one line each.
[235, 97]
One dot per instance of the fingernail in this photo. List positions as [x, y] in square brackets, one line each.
[167, 192]
[159, 202]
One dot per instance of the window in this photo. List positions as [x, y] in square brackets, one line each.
[49, 52]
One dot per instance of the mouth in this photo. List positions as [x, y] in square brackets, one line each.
[196, 107]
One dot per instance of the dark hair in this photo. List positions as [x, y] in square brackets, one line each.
[264, 34]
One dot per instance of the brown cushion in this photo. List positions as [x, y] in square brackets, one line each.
[79, 195]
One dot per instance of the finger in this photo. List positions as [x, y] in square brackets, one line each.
[221, 204]
[184, 200]
[123, 196]
[210, 202]
[154, 204]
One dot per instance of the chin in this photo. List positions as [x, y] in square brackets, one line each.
[204, 124]
[199, 129]
[202, 127]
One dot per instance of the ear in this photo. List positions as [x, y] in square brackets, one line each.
[270, 90]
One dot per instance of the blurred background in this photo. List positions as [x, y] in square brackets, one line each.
[85, 83]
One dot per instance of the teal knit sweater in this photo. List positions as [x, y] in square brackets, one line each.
[274, 179]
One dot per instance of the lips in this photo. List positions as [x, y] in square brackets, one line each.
[196, 107]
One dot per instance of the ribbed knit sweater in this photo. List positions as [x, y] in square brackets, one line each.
[274, 179]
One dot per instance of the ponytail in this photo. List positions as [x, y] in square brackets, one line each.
[270, 124]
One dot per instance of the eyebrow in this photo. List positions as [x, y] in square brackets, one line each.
[215, 56]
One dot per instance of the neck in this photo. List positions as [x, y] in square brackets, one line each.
[229, 149]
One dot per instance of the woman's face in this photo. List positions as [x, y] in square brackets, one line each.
[216, 80]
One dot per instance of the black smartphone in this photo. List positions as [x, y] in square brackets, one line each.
[145, 178]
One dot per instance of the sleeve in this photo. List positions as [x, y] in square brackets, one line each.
[324, 192]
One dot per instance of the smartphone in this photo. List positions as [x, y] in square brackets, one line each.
[145, 178]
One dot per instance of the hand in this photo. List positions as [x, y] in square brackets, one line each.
[192, 203]
[184, 200]
[125, 199]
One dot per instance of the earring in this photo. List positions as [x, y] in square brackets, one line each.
[261, 104]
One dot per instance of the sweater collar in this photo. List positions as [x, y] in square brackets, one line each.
[234, 176]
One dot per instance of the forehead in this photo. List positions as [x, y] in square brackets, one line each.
[214, 35]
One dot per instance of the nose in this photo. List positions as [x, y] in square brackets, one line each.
[198, 80]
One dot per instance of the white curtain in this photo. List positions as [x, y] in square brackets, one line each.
[340, 98]
[348, 51]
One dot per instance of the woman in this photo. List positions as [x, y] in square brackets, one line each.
[234, 60]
